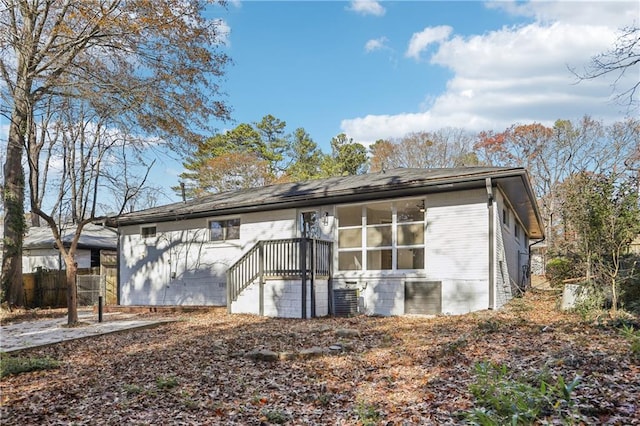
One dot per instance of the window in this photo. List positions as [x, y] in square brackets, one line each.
[505, 217]
[516, 231]
[379, 243]
[350, 238]
[148, 231]
[223, 230]
[95, 258]
[381, 236]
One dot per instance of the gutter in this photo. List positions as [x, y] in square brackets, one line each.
[544, 237]
[492, 242]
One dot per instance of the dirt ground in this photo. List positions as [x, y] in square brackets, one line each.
[363, 370]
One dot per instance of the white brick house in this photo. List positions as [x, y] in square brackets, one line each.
[403, 241]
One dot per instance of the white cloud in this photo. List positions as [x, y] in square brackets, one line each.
[420, 41]
[615, 13]
[376, 44]
[224, 31]
[367, 7]
[515, 74]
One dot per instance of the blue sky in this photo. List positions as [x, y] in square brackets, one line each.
[381, 69]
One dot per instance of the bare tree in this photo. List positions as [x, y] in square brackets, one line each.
[82, 150]
[552, 154]
[447, 147]
[621, 61]
[150, 63]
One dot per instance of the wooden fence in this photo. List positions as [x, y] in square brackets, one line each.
[48, 289]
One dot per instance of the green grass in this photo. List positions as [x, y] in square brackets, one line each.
[502, 398]
[367, 414]
[168, 382]
[15, 365]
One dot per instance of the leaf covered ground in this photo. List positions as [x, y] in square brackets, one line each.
[393, 371]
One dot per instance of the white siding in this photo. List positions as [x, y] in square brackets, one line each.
[322, 297]
[511, 253]
[502, 288]
[283, 298]
[50, 259]
[457, 249]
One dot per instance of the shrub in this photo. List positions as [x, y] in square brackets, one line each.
[592, 303]
[559, 269]
[633, 337]
[502, 399]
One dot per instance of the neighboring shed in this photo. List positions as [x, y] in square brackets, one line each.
[40, 250]
[634, 247]
[425, 241]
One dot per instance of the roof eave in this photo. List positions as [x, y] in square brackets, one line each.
[449, 183]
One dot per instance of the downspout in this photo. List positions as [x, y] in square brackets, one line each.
[492, 245]
[118, 250]
[544, 237]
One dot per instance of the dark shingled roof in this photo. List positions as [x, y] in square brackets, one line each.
[372, 186]
[92, 237]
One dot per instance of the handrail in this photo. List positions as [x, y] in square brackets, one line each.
[277, 258]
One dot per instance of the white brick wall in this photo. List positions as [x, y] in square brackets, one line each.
[463, 296]
[282, 298]
[247, 301]
[383, 297]
[180, 266]
[386, 296]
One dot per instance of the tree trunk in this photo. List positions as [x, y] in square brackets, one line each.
[13, 197]
[614, 296]
[13, 190]
[72, 291]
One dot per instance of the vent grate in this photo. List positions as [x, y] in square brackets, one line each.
[345, 302]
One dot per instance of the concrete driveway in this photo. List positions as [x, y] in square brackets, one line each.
[30, 334]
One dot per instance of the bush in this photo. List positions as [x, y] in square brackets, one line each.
[559, 269]
[633, 337]
[593, 303]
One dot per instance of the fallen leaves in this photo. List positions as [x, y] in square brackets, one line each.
[396, 370]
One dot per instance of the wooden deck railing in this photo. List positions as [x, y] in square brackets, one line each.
[296, 257]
